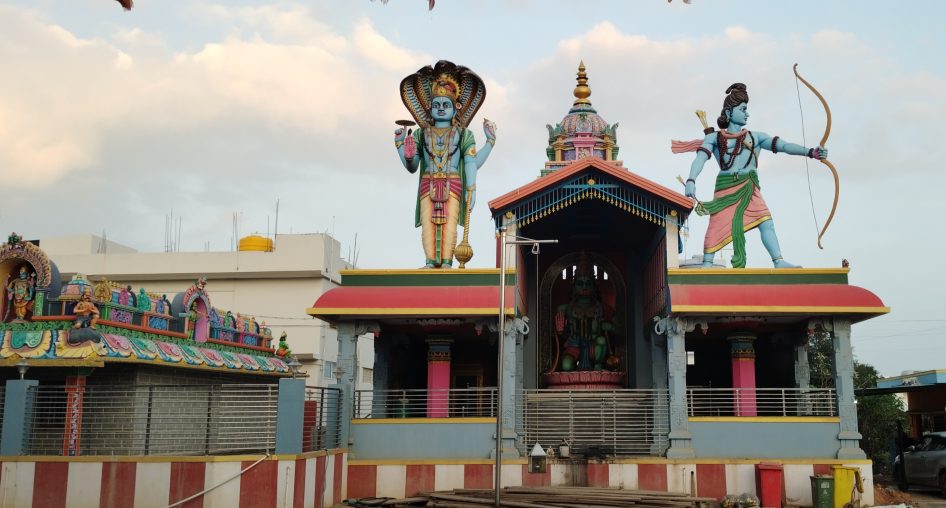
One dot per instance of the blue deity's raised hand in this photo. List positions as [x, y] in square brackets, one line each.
[489, 129]
[690, 189]
[399, 134]
[820, 153]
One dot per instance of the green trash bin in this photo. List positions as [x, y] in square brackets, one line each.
[822, 491]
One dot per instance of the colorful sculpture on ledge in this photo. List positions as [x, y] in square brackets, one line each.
[144, 301]
[283, 350]
[87, 315]
[583, 326]
[737, 204]
[443, 100]
[20, 293]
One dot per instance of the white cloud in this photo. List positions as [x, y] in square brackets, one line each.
[117, 126]
[376, 49]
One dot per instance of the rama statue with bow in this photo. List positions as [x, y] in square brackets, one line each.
[737, 204]
[443, 100]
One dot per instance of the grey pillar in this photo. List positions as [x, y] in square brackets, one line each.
[802, 371]
[681, 441]
[802, 377]
[290, 408]
[844, 387]
[658, 356]
[346, 372]
[17, 407]
[510, 392]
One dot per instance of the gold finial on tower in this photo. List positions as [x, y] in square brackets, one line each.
[582, 91]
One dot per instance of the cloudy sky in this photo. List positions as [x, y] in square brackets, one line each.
[109, 119]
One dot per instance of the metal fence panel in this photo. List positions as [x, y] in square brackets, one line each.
[761, 402]
[421, 403]
[322, 420]
[595, 423]
[155, 419]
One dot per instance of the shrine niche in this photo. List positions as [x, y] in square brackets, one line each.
[27, 276]
[583, 322]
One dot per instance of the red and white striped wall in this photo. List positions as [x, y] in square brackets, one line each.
[309, 480]
[712, 479]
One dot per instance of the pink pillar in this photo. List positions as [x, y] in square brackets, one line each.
[438, 378]
[742, 353]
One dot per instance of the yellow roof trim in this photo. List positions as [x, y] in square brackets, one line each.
[424, 271]
[778, 308]
[406, 311]
[758, 271]
[766, 419]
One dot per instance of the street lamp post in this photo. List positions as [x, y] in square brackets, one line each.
[502, 336]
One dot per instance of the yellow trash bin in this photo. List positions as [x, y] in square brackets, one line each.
[847, 486]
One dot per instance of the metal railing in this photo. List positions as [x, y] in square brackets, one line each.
[595, 423]
[452, 403]
[151, 420]
[761, 402]
[322, 419]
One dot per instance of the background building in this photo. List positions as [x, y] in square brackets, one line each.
[274, 281]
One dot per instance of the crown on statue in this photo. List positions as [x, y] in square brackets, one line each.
[584, 268]
[446, 86]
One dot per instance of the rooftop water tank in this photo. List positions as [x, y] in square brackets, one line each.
[256, 243]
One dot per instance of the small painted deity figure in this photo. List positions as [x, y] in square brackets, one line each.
[583, 325]
[443, 99]
[283, 350]
[228, 321]
[267, 335]
[167, 305]
[87, 316]
[20, 292]
[737, 204]
[125, 296]
[192, 317]
[144, 301]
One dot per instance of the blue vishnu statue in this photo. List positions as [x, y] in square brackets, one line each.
[443, 100]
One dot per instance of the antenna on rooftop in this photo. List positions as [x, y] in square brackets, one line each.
[354, 262]
[234, 237]
[276, 225]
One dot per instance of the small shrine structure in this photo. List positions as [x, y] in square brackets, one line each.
[114, 369]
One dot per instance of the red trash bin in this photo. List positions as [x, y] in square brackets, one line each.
[768, 484]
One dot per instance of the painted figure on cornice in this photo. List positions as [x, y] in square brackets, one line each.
[144, 301]
[737, 204]
[20, 292]
[443, 100]
[87, 315]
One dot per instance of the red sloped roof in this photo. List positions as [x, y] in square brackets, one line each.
[410, 301]
[605, 167]
[778, 299]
